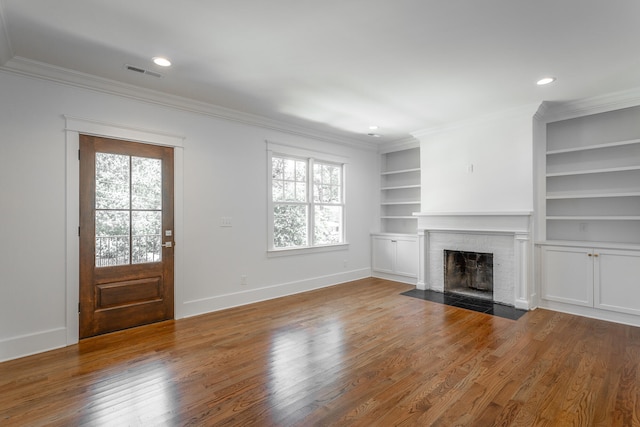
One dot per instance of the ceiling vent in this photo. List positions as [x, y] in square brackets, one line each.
[142, 71]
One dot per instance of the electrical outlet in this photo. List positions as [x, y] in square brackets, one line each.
[243, 279]
[345, 263]
[583, 227]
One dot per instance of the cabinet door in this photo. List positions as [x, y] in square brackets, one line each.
[617, 280]
[406, 257]
[383, 254]
[567, 275]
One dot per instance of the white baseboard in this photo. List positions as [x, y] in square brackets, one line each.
[593, 313]
[395, 277]
[221, 302]
[25, 345]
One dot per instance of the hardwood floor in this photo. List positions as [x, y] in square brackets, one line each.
[354, 354]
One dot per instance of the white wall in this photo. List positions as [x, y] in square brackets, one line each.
[484, 166]
[224, 175]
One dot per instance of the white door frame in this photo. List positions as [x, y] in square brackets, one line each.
[74, 127]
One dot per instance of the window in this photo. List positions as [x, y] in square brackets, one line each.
[306, 201]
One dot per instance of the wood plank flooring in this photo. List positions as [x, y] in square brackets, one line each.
[356, 354]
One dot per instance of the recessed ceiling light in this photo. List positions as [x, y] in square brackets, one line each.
[545, 81]
[163, 62]
[374, 127]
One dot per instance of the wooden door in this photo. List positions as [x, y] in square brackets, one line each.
[126, 234]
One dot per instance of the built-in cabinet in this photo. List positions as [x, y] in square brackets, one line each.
[589, 251]
[592, 277]
[394, 250]
[395, 255]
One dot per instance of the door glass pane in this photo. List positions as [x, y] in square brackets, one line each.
[146, 236]
[112, 181]
[128, 210]
[146, 183]
[112, 238]
[328, 225]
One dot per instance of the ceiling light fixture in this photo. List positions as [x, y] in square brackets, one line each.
[374, 127]
[163, 62]
[545, 81]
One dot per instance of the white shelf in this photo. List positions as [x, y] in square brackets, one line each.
[589, 244]
[400, 171]
[413, 202]
[587, 195]
[400, 187]
[594, 171]
[595, 218]
[399, 217]
[592, 178]
[594, 147]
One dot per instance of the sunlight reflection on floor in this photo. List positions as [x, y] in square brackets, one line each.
[299, 354]
[131, 395]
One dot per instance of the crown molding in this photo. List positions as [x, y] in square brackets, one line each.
[6, 51]
[555, 111]
[397, 145]
[527, 110]
[39, 70]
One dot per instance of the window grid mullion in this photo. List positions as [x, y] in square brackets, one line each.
[311, 197]
[130, 210]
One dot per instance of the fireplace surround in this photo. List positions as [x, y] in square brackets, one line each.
[506, 235]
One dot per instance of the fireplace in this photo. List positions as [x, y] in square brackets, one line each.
[505, 235]
[468, 273]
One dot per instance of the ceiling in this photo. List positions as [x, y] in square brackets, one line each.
[339, 66]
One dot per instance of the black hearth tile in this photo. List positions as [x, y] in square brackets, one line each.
[467, 302]
[452, 299]
[477, 301]
[425, 295]
[507, 312]
[470, 306]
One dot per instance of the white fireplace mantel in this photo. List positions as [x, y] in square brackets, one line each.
[510, 222]
[509, 232]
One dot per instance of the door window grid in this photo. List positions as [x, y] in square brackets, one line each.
[128, 210]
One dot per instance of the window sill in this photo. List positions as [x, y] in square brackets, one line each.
[272, 253]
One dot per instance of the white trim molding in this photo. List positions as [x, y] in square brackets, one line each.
[26, 345]
[40, 70]
[235, 299]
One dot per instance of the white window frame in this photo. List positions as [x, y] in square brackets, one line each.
[310, 157]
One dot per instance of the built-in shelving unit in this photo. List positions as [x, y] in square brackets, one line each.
[593, 178]
[400, 190]
[394, 250]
